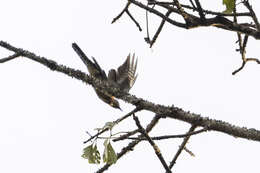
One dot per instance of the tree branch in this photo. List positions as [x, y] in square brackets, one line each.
[132, 144]
[11, 57]
[166, 111]
[249, 7]
[152, 143]
[165, 136]
[159, 29]
[202, 16]
[121, 13]
[115, 122]
[185, 140]
[220, 19]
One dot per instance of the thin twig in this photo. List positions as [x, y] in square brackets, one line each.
[238, 34]
[182, 25]
[239, 43]
[133, 19]
[240, 68]
[192, 4]
[126, 136]
[125, 10]
[147, 38]
[11, 57]
[244, 63]
[189, 151]
[182, 12]
[249, 7]
[115, 122]
[127, 115]
[242, 48]
[202, 16]
[253, 59]
[242, 45]
[132, 144]
[121, 13]
[169, 136]
[152, 143]
[185, 140]
[159, 29]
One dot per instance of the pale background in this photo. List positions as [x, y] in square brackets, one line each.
[44, 114]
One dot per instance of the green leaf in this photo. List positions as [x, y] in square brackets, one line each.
[230, 5]
[96, 155]
[108, 125]
[87, 152]
[109, 155]
[92, 154]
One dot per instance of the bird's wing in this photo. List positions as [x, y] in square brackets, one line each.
[125, 76]
[112, 75]
[93, 68]
[102, 73]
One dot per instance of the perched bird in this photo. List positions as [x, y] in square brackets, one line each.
[124, 76]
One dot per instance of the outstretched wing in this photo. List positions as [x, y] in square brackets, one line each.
[125, 75]
[93, 68]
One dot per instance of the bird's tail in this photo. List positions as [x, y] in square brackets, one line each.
[81, 54]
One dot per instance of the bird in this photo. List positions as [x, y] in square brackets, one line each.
[124, 77]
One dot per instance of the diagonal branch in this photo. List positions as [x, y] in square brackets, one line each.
[249, 7]
[121, 13]
[202, 16]
[152, 143]
[156, 12]
[115, 122]
[192, 4]
[132, 144]
[185, 140]
[11, 57]
[166, 111]
[159, 29]
[126, 136]
[125, 10]
[134, 20]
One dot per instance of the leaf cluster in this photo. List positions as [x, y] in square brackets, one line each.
[230, 5]
[92, 153]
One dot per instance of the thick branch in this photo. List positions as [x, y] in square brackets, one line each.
[170, 112]
[193, 21]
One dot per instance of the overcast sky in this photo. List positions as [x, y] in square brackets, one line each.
[45, 115]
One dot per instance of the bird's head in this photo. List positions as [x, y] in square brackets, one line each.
[115, 104]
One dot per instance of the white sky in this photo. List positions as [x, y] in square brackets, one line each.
[44, 114]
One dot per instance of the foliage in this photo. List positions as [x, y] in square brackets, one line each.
[230, 5]
[92, 154]
[109, 155]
